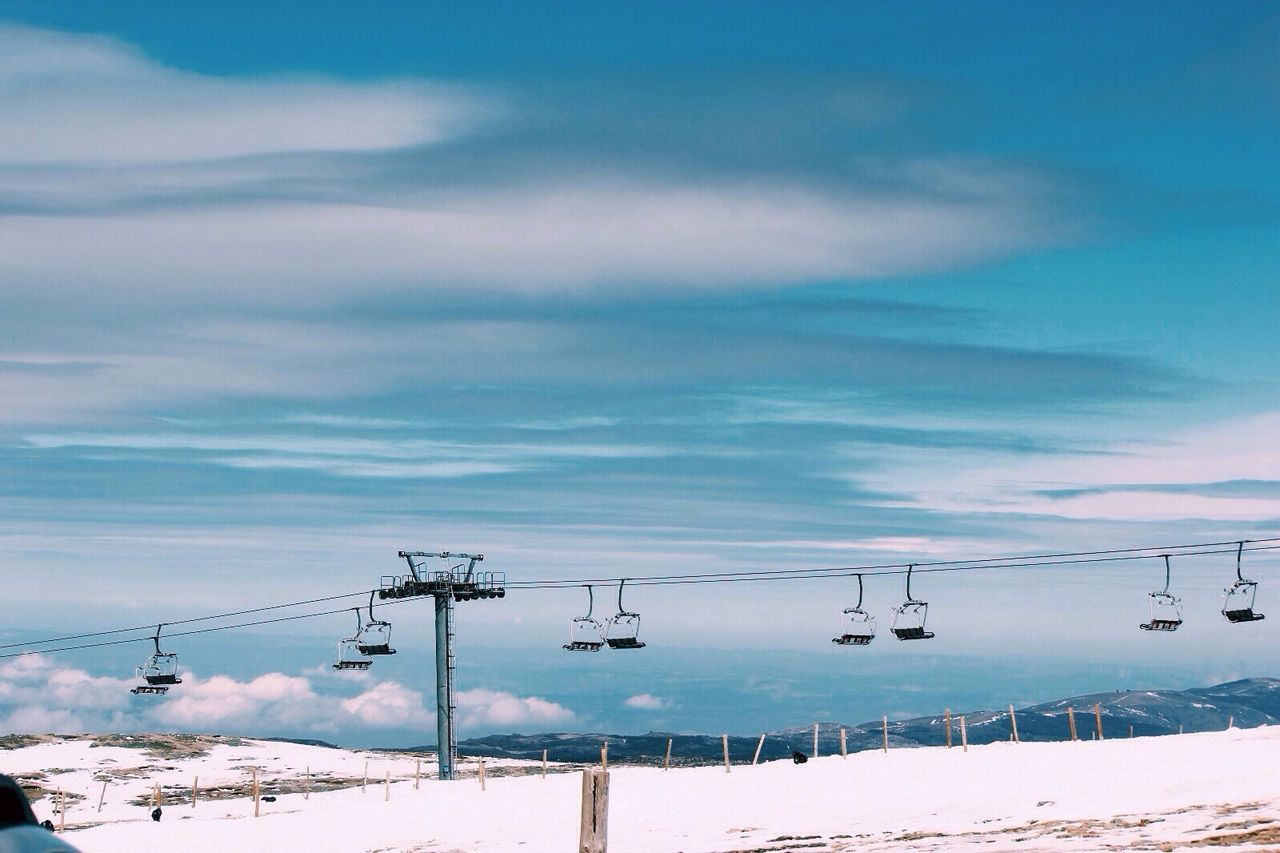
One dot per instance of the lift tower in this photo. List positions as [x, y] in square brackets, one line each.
[451, 584]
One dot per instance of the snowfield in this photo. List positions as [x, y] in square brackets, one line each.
[1218, 789]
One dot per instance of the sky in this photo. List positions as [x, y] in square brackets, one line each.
[603, 289]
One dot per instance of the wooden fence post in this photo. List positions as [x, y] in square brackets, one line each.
[482, 774]
[62, 811]
[102, 796]
[724, 742]
[255, 792]
[1097, 717]
[306, 789]
[884, 723]
[815, 740]
[386, 786]
[195, 783]
[1131, 730]
[1179, 728]
[544, 764]
[844, 745]
[964, 737]
[1013, 721]
[604, 756]
[1231, 721]
[364, 784]
[417, 772]
[755, 759]
[155, 795]
[593, 835]
[948, 724]
[666, 762]
[1071, 722]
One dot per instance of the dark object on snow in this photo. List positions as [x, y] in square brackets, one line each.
[268, 799]
[799, 757]
[15, 810]
[47, 824]
[155, 814]
[20, 832]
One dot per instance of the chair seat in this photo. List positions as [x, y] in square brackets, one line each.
[580, 646]
[625, 643]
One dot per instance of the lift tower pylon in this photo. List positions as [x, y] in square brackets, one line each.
[447, 586]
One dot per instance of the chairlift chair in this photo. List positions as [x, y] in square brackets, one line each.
[585, 634]
[857, 627]
[349, 654]
[623, 628]
[909, 617]
[1166, 610]
[374, 637]
[159, 673]
[1238, 601]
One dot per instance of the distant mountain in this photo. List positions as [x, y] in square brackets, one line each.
[1249, 702]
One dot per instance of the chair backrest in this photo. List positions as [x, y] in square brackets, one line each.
[15, 810]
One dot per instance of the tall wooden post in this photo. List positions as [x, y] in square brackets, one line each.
[884, 724]
[666, 762]
[102, 796]
[964, 737]
[593, 834]
[544, 764]
[1071, 722]
[62, 811]
[417, 773]
[815, 740]
[256, 811]
[1131, 730]
[844, 745]
[386, 786]
[194, 785]
[1097, 718]
[364, 783]
[724, 742]
[947, 717]
[306, 789]
[482, 774]
[755, 759]
[604, 756]
[1013, 721]
[1231, 721]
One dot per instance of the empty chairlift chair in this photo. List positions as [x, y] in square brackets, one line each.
[375, 636]
[857, 627]
[1166, 610]
[622, 631]
[585, 634]
[909, 617]
[349, 655]
[1238, 600]
[159, 673]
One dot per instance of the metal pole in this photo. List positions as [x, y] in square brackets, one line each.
[444, 684]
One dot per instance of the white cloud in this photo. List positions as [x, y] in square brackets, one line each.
[388, 705]
[482, 707]
[646, 702]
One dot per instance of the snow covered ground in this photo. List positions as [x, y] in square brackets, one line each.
[1217, 789]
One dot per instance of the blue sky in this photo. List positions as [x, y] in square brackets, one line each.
[621, 289]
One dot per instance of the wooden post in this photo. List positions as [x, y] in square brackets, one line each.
[1097, 717]
[1231, 721]
[194, 785]
[666, 762]
[884, 722]
[947, 716]
[844, 745]
[964, 737]
[544, 764]
[417, 771]
[155, 795]
[482, 774]
[386, 784]
[1071, 722]
[255, 792]
[364, 785]
[604, 756]
[1013, 721]
[306, 789]
[593, 835]
[1131, 730]
[755, 759]
[1179, 728]
[62, 811]
[102, 796]
[815, 740]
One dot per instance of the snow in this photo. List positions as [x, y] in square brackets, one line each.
[1088, 795]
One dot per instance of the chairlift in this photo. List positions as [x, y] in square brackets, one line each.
[585, 634]
[349, 655]
[159, 673]
[622, 630]
[374, 637]
[1237, 602]
[857, 627]
[1166, 610]
[909, 617]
